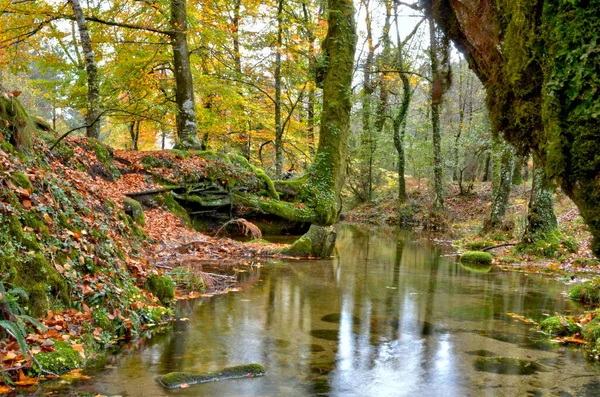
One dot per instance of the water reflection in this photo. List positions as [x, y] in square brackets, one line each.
[389, 316]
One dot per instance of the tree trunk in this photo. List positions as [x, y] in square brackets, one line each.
[187, 127]
[93, 107]
[310, 106]
[278, 125]
[321, 187]
[502, 191]
[367, 140]
[540, 215]
[436, 96]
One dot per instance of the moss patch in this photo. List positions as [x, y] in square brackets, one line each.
[135, 210]
[476, 257]
[61, 360]
[162, 287]
[559, 326]
[588, 292]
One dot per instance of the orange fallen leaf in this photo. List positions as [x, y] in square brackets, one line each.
[184, 386]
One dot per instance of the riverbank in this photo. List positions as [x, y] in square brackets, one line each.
[92, 265]
[461, 222]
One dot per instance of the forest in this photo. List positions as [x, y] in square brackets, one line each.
[161, 154]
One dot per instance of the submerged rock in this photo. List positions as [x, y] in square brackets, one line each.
[175, 380]
[481, 353]
[336, 318]
[327, 334]
[507, 365]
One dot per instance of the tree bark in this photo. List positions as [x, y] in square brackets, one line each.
[187, 127]
[278, 124]
[436, 94]
[93, 97]
[501, 192]
[310, 106]
[540, 215]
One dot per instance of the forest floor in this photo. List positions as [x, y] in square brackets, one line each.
[463, 220]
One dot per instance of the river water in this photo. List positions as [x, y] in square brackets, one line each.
[390, 315]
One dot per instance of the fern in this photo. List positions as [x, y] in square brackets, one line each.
[12, 329]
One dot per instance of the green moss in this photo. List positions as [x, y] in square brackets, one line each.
[155, 162]
[318, 242]
[162, 287]
[104, 156]
[588, 292]
[591, 331]
[559, 326]
[177, 379]
[135, 210]
[21, 180]
[15, 124]
[478, 257]
[62, 359]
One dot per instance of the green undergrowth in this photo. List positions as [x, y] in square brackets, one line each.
[588, 292]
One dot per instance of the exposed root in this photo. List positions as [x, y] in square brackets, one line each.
[248, 228]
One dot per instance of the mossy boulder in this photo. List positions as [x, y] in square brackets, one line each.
[559, 326]
[105, 156]
[476, 257]
[175, 380]
[318, 242]
[162, 287]
[63, 359]
[135, 210]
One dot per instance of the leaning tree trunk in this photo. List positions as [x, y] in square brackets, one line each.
[92, 121]
[501, 191]
[544, 101]
[187, 127]
[320, 189]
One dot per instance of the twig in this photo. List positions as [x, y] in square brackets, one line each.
[63, 136]
[498, 246]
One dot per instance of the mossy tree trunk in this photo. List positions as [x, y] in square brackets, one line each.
[436, 92]
[540, 216]
[501, 191]
[277, 75]
[93, 96]
[187, 127]
[540, 68]
[318, 193]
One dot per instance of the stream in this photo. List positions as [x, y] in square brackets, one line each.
[389, 315]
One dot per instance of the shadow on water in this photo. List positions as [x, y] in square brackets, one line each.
[389, 315]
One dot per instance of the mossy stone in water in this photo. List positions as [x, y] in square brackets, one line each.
[507, 365]
[476, 267]
[327, 334]
[175, 380]
[478, 257]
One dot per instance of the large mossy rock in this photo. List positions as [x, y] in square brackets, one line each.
[318, 242]
[176, 380]
[476, 257]
[135, 210]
